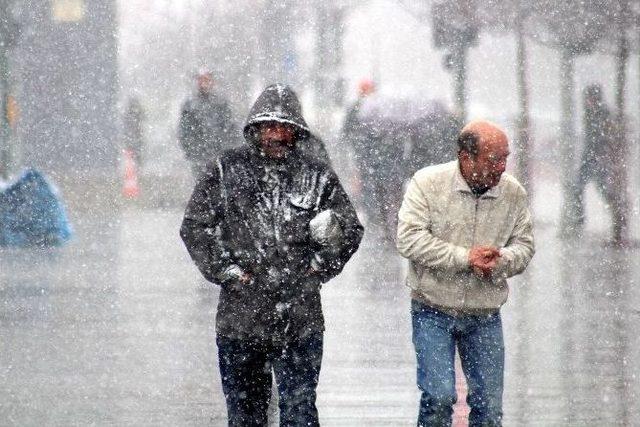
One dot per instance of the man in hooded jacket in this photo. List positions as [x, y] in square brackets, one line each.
[270, 224]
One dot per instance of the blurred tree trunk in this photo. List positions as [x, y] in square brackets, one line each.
[622, 56]
[455, 27]
[459, 68]
[327, 77]
[570, 209]
[5, 131]
[621, 215]
[322, 51]
[4, 122]
[8, 32]
[277, 54]
[523, 128]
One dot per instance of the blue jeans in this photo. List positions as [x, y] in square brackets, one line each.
[245, 368]
[481, 347]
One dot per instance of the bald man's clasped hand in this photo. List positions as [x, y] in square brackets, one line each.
[483, 260]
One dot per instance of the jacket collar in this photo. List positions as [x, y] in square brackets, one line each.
[262, 163]
[459, 184]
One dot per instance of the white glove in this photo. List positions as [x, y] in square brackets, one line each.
[233, 272]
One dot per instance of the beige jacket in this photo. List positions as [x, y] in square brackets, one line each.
[440, 220]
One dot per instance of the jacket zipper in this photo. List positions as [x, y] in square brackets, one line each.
[473, 243]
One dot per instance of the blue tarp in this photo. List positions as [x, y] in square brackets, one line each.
[32, 214]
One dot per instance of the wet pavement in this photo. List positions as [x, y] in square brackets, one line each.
[118, 329]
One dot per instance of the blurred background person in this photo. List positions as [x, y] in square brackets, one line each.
[206, 127]
[600, 160]
[352, 134]
[133, 129]
[432, 133]
[391, 137]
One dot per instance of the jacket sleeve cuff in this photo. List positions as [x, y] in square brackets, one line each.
[231, 273]
[502, 266]
[461, 256]
[317, 263]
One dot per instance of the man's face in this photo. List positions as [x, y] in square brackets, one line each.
[277, 140]
[205, 83]
[491, 161]
[592, 101]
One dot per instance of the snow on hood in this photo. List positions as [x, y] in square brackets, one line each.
[277, 103]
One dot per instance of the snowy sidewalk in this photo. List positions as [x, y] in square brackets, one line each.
[118, 329]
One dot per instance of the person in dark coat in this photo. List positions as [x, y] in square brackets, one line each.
[270, 225]
[600, 160]
[377, 135]
[206, 128]
[133, 129]
[353, 132]
[431, 136]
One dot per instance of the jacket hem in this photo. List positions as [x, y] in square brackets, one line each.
[454, 311]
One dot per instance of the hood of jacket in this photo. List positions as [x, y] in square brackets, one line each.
[277, 103]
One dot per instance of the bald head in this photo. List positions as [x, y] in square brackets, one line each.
[476, 131]
[483, 149]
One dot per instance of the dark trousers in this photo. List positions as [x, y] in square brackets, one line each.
[246, 366]
[612, 186]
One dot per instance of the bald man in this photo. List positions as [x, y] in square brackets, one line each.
[465, 228]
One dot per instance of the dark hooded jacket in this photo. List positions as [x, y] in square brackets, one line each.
[251, 214]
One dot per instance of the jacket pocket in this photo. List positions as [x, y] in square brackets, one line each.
[296, 219]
